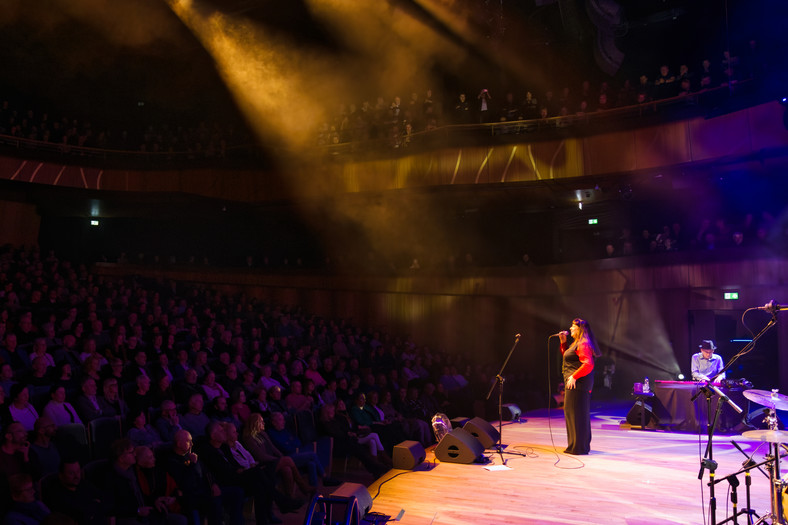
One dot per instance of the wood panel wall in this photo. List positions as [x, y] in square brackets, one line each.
[639, 312]
[490, 160]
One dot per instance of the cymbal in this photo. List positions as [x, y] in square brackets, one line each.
[767, 398]
[772, 436]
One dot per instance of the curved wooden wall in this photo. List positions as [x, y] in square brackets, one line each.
[740, 136]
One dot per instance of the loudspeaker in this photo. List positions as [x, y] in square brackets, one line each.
[459, 446]
[349, 490]
[636, 417]
[408, 455]
[458, 422]
[483, 431]
[510, 412]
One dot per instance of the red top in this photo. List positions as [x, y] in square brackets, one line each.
[586, 355]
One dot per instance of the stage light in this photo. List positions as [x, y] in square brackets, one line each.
[784, 101]
[681, 377]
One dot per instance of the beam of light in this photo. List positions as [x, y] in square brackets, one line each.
[631, 323]
[394, 52]
[276, 86]
[504, 51]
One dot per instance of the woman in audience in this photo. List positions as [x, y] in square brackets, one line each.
[211, 388]
[141, 433]
[58, 409]
[20, 408]
[238, 407]
[263, 450]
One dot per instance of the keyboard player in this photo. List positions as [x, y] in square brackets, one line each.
[706, 365]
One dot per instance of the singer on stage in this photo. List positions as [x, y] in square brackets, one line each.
[578, 371]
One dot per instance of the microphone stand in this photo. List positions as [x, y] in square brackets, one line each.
[708, 458]
[709, 390]
[499, 379]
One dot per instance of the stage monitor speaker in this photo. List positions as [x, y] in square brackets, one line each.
[636, 415]
[511, 412]
[362, 495]
[459, 446]
[408, 455]
[459, 422]
[483, 431]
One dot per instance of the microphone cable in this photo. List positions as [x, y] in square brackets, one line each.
[550, 419]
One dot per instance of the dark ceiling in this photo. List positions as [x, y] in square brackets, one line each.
[134, 60]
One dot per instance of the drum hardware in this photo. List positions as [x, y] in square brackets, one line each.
[776, 439]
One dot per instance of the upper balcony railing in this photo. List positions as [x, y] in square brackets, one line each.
[250, 156]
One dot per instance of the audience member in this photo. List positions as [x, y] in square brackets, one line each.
[20, 408]
[58, 410]
[25, 509]
[73, 496]
[44, 455]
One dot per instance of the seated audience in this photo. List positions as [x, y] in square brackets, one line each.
[58, 410]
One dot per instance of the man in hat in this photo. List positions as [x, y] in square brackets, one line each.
[706, 365]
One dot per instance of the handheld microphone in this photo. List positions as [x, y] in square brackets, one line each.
[558, 333]
[516, 337]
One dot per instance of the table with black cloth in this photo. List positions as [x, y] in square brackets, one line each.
[675, 409]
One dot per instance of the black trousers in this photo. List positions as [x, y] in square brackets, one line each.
[577, 411]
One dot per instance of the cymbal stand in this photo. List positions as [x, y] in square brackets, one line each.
[775, 485]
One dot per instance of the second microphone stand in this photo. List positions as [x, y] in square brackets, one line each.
[499, 379]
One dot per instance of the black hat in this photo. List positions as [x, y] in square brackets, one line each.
[707, 344]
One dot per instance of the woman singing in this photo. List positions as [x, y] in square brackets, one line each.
[578, 371]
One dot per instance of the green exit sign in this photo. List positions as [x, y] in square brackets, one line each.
[593, 221]
[731, 296]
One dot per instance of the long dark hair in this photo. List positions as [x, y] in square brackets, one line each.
[587, 334]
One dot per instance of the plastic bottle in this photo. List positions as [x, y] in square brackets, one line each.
[646, 387]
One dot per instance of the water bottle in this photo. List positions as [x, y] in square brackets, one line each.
[646, 387]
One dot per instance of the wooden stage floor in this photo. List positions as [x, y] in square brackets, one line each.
[631, 477]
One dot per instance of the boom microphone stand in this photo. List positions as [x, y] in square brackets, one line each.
[499, 381]
[709, 389]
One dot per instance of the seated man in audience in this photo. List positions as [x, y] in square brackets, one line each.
[44, 455]
[254, 481]
[14, 452]
[87, 403]
[128, 501]
[110, 402]
[75, 497]
[25, 509]
[158, 488]
[140, 400]
[195, 420]
[303, 457]
[196, 492]
[168, 423]
[187, 387]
